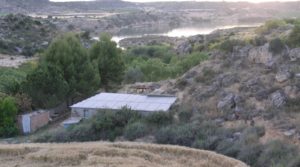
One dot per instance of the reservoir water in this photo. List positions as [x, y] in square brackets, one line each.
[177, 32]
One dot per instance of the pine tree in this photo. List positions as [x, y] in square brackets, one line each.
[110, 63]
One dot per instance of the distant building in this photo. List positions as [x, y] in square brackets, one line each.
[116, 101]
[31, 122]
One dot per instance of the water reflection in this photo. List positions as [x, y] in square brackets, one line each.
[177, 32]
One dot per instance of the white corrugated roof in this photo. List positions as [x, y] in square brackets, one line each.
[135, 102]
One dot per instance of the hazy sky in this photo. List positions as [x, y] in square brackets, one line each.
[256, 1]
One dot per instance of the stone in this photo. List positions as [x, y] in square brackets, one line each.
[261, 55]
[227, 103]
[283, 76]
[278, 99]
[291, 91]
[294, 54]
[184, 48]
[237, 135]
[219, 121]
[290, 132]
[227, 80]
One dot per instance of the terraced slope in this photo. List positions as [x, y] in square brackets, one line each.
[103, 154]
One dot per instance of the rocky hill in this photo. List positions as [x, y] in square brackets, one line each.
[45, 6]
[246, 84]
[110, 154]
[20, 34]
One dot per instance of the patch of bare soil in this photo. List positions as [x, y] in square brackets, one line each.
[14, 61]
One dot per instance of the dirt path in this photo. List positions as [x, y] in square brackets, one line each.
[14, 61]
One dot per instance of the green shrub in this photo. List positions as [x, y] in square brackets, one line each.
[269, 26]
[258, 41]
[229, 45]
[277, 154]
[8, 114]
[135, 130]
[250, 153]
[106, 125]
[185, 116]
[180, 135]
[159, 118]
[158, 66]
[293, 39]
[276, 46]
[133, 75]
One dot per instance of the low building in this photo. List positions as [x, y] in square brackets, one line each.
[31, 122]
[116, 101]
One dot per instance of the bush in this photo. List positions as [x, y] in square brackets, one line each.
[179, 135]
[258, 41]
[270, 25]
[133, 75]
[229, 45]
[294, 37]
[276, 46]
[277, 153]
[185, 116]
[8, 114]
[135, 130]
[150, 66]
[106, 125]
[159, 118]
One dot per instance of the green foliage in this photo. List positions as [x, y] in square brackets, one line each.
[229, 45]
[269, 26]
[294, 37]
[18, 29]
[155, 69]
[46, 86]
[179, 135]
[165, 53]
[159, 118]
[276, 46]
[11, 78]
[277, 154]
[64, 72]
[135, 130]
[106, 125]
[133, 75]
[8, 113]
[109, 61]
[258, 41]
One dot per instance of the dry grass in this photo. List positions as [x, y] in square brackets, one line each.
[103, 154]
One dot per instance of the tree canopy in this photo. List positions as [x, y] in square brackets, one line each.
[8, 113]
[65, 72]
[108, 58]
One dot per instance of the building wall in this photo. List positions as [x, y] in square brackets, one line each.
[88, 113]
[84, 113]
[39, 120]
[33, 121]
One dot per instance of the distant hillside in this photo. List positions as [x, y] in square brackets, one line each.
[44, 6]
[110, 154]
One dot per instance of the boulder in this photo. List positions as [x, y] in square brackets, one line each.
[227, 103]
[184, 48]
[278, 99]
[283, 76]
[261, 55]
[290, 132]
[227, 79]
[291, 91]
[294, 54]
[241, 51]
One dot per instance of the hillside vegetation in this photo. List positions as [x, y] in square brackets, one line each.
[110, 154]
